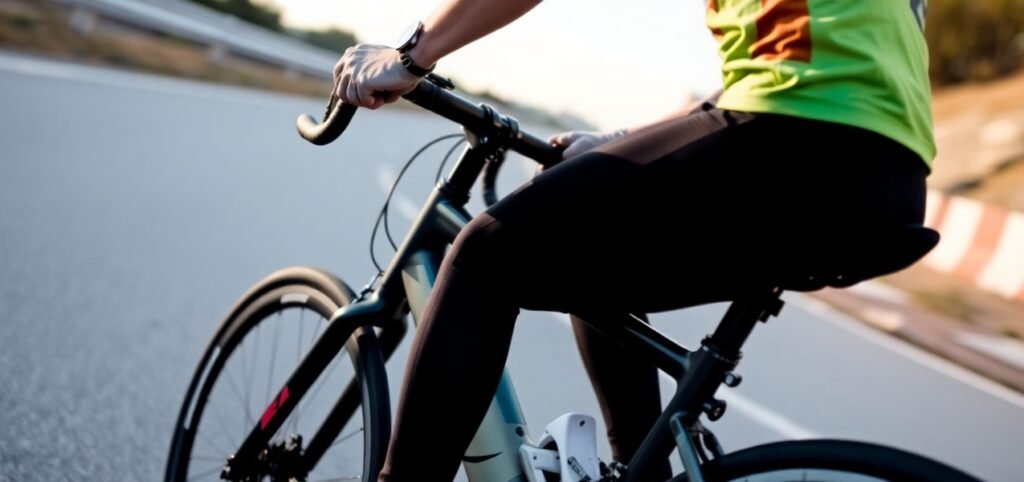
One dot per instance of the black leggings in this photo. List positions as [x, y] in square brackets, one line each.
[674, 215]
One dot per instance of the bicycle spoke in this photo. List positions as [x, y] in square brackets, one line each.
[302, 324]
[214, 446]
[248, 414]
[303, 402]
[294, 427]
[347, 436]
[206, 473]
[208, 459]
[321, 329]
[241, 361]
[321, 382]
[273, 353]
[210, 440]
[313, 336]
[252, 369]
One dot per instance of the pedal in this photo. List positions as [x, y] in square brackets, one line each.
[536, 461]
[574, 437]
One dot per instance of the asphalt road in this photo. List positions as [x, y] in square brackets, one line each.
[134, 210]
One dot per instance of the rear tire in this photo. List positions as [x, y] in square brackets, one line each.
[228, 382]
[827, 460]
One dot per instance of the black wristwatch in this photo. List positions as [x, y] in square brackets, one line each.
[407, 42]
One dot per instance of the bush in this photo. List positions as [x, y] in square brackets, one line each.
[974, 39]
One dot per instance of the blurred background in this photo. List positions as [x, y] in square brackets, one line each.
[149, 173]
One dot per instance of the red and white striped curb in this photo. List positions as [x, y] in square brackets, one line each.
[980, 243]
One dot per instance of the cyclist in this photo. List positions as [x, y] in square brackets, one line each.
[823, 128]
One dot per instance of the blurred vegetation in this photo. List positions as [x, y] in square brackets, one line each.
[972, 40]
[43, 28]
[331, 39]
[261, 15]
[269, 18]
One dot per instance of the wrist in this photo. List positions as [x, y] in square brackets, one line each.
[422, 53]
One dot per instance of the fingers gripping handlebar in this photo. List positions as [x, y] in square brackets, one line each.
[478, 119]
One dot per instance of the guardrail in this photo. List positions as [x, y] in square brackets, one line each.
[220, 31]
[981, 243]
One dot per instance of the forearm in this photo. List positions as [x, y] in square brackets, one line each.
[460, 22]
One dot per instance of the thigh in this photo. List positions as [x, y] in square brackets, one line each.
[607, 228]
[691, 210]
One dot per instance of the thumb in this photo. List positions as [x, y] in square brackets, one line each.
[563, 139]
[576, 148]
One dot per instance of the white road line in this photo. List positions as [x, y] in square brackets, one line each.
[759, 413]
[385, 179]
[907, 350]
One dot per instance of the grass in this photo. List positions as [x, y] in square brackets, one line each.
[1010, 333]
[950, 303]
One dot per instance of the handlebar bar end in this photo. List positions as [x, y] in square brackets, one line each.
[333, 125]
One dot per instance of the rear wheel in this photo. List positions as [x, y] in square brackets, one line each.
[251, 356]
[827, 460]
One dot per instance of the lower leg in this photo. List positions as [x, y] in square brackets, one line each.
[626, 387]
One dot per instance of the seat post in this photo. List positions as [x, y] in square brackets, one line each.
[739, 320]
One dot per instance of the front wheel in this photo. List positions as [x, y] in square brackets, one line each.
[340, 428]
[827, 461]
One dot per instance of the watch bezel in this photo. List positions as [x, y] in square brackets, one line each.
[410, 37]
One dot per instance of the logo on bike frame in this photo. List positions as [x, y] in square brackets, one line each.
[268, 415]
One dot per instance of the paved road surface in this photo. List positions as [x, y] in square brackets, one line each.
[135, 209]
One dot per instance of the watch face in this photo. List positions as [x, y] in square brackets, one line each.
[407, 40]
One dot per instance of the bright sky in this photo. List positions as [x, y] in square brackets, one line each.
[613, 63]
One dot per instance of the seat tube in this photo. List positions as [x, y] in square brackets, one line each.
[493, 455]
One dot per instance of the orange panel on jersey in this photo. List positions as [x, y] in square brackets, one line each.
[783, 31]
[713, 6]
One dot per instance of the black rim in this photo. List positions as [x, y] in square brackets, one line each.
[257, 351]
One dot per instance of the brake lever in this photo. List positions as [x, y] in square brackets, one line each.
[442, 82]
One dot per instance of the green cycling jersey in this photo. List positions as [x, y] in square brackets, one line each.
[857, 62]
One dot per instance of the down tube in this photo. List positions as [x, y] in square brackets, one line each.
[493, 455]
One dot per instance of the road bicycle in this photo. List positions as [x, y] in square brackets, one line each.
[219, 435]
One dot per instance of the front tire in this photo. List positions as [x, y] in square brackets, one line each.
[253, 353]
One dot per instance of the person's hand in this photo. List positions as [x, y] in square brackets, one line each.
[577, 142]
[371, 76]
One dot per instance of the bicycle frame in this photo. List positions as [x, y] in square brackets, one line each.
[494, 452]
[403, 289]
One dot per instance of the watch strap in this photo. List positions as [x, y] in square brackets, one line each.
[411, 66]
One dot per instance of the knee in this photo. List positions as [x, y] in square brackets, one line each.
[478, 247]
